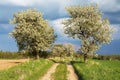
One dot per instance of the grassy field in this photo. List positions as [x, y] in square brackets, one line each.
[92, 70]
[60, 73]
[98, 70]
[31, 70]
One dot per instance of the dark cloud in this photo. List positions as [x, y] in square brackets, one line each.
[49, 12]
[51, 9]
[118, 1]
[112, 48]
[114, 17]
[7, 11]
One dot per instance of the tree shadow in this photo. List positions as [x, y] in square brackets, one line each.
[16, 62]
[77, 62]
[60, 62]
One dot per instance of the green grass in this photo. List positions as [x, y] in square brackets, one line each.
[64, 59]
[60, 73]
[31, 70]
[98, 70]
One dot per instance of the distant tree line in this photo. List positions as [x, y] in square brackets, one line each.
[49, 54]
[13, 55]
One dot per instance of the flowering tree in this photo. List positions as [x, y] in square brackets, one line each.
[86, 23]
[69, 49]
[58, 50]
[32, 32]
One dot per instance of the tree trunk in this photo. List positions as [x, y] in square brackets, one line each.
[85, 57]
[69, 54]
[37, 55]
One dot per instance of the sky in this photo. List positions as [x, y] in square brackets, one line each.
[54, 11]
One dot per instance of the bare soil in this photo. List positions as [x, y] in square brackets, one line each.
[70, 76]
[71, 73]
[5, 64]
[48, 75]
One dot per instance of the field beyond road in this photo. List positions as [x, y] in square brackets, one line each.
[5, 64]
[98, 70]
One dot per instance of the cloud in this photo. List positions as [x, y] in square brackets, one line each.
[58, 26]
[62, 38]
[108, 5]
[19, 2]
[56, 8]
[54, 11]
[8, 44]
[105, 49]
[110, 9]
[113, 4]
[41, 2]
[7, 12]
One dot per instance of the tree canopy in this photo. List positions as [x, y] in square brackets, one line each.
[58, 50]
[86, 23]
[31, 31]
[69, 49]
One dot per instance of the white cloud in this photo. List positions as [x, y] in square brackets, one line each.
[59, 30]
[19, 2]
[108, 5]
[38, 2]
[58, 26]
[49, 7]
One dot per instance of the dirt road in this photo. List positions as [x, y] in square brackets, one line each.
[47, 76]
[71, 75]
